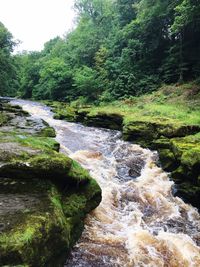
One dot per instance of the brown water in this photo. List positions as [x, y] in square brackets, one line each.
[139, 223]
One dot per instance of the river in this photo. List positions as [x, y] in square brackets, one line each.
[139, 222]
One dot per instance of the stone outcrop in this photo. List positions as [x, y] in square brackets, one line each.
[179, 152]
[44, 195]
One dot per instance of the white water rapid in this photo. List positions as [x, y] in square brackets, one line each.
[138, 223]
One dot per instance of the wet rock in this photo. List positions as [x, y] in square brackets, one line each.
[179, 152]
[82, 114]
[32, 222]
[140, 132]
[136, 164]
[44, 195]
[63, 111]
[168, 160]
[11, 150]
[105, 120]
[146, 133]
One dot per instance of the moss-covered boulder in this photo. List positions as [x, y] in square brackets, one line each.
[32, 225]
[146, 133]
[62, 111]
[167, 159]
[140, 132]
[44, 195]
[187, 151]
[112, 121]
[35, 227]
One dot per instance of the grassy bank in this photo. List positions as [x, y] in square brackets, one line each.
[180, 104]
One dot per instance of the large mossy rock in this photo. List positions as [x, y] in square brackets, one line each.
[181, 156]
[187, 150]
[34, 230]
[44, 195]
[62, 111]
[147, 133]
[178, 146]
[36, 227]
[112, 121]
[140, 132]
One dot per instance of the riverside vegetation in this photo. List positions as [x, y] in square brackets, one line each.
[44, 195]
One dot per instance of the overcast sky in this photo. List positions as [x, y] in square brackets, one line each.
[34, 22]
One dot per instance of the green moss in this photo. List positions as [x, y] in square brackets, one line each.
[75, 205]
[44, 235]
[43, 143]
[167, 159]
[140, 132]
[187, 150]
[78, 174]
[102, 119]
[57, 163]
[87, 199]
[63, 111]
[48, 132]
[161, 143]
[34, 232]
[149, 132]
[40, 183]
[23, 244]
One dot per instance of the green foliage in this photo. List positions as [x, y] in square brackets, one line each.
[187, 12]
[79, 102]
[7, 64]
[118, 49]
[85, 82]
[55, 79]
[28, 72]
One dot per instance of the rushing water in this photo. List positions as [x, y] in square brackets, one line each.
[138, 223]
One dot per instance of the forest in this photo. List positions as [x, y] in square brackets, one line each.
[118, 49]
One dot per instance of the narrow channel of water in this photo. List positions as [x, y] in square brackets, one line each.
[138, 223]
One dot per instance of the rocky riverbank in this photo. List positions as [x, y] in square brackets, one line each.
[174, 132]
[44, 195]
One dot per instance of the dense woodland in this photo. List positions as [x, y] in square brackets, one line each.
[119, 48]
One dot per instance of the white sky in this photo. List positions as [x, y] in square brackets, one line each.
[35, 22]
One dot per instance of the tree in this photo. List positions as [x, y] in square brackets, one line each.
[7, 67]
[55, 80]
[118, 48]
[186, 28]
[85, 82]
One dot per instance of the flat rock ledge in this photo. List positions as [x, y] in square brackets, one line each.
[44, 195]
